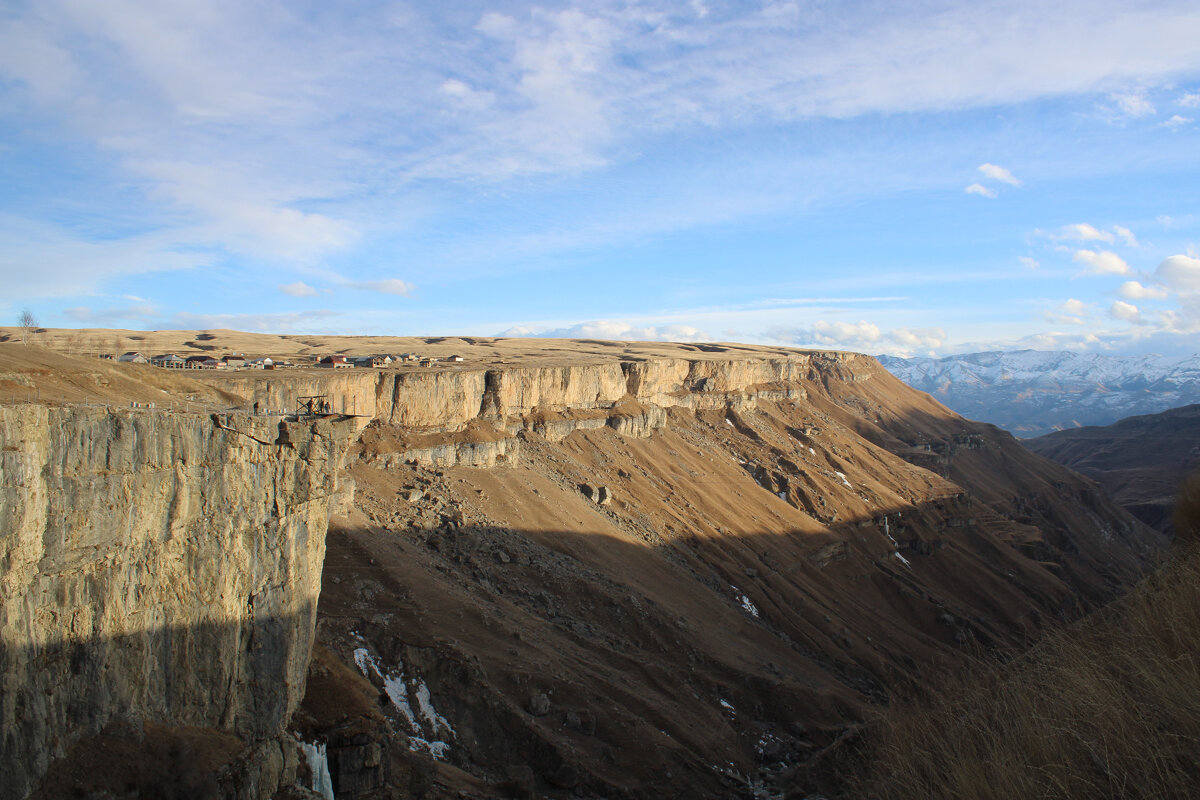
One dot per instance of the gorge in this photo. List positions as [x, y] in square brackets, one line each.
[556, 569]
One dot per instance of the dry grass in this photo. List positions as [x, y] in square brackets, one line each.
[1108, 708]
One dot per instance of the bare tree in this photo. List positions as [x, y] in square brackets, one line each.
[28, 323]
[75, 343]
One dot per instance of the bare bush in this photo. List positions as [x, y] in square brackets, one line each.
[1106, 708]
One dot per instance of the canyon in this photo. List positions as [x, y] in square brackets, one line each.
[556, 569]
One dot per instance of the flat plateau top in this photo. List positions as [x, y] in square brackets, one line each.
[478, 350]
[63, 365]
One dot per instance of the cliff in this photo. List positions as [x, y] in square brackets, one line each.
[629, 570]
[158, 567]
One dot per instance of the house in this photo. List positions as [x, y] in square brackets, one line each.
[168, 361]
[407, 357]
[261, 363]
[455, 358]
[235, 360]
[212, 363]
[372, 361]
[133, 358]
[335, 362]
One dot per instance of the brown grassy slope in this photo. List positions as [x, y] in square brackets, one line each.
[498, 584]
[1139, 461]
[1108, 708]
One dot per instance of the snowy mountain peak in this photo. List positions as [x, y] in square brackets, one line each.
[1031, 392]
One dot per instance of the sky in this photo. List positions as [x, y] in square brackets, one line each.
[919, 178]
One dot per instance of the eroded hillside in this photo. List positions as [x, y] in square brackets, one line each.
[625, 570]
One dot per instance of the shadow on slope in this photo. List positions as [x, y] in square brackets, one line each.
[696, 667]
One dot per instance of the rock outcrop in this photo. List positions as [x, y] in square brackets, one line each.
[158, 567]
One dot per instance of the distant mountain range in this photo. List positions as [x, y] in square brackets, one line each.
[1032, 392]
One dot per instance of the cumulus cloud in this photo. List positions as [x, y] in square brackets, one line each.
[1191, 100]
[1132, 290]
[998, 173]
[1181, 273]
[613, 330]
[1104, 262]
[1032, 263]
[385, 286]
[979, 189]
[1176, 121]
[298, 289]
[1126, 312]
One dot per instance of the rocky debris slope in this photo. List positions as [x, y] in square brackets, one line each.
[158, 568]
[790, 543]
[1032, 393]
[1140, 462]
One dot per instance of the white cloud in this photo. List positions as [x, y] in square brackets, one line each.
[1175, 222]
[861, 336]
[1176, 121]
[465, 96]
[1132, 290]
[1135, 105]
[917, 339]
[999, 173]
[1073, 306]
[1105, 262]
[1126, 312]
[979, 189]
[1181, 273]
[1083, 232]
[613, 330]
[1191, 100]
[1032, 263]
[386, 286]
[1069, 312]
[298, 289]
[1126, 235]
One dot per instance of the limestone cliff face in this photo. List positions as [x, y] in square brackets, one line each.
[155, 566]
[553, 401]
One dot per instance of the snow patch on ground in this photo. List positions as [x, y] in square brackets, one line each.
[746, 603]
[428, 737]
[725, 704]
[842, 475]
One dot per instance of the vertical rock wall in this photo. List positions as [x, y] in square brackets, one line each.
[155, 566]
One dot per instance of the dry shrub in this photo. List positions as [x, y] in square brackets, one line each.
[1107, 708]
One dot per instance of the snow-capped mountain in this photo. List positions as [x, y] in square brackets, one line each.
[1031, 392]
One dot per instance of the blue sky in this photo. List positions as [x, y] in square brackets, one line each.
[917, 178]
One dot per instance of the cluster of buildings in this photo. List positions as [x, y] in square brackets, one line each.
[383, 360]
[239, 361]
[173, 361]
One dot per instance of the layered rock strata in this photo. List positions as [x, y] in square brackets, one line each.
[156, 566]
